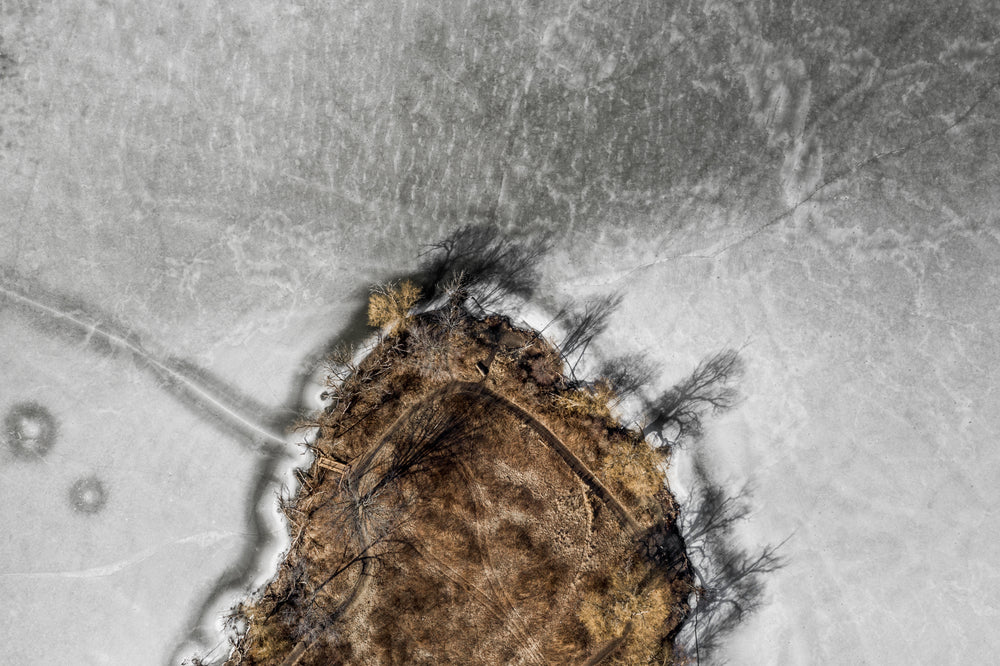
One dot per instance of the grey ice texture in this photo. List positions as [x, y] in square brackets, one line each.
[194, 197]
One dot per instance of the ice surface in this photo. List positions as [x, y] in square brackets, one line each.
[195, 198]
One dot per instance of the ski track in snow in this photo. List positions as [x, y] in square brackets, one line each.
[201, 540]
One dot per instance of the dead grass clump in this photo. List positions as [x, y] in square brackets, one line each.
[628, 598]
[390, 304]
[267, 642]
[632, 465]
[594, 401]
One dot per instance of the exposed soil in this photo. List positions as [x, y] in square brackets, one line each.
[452, 517]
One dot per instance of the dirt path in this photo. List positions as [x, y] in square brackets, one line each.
[550, 438]
[556, 444]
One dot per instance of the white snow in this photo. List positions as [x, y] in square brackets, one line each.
[865, 433]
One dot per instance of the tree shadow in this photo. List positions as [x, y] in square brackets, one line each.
[485, 264]
[628, 374]
[581, 322]
[677, 415]
[730, 579]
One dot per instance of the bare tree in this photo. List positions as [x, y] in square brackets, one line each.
[433, 436]
[708, 390]
[339, 365]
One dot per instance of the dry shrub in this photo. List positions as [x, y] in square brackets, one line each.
[594, 401]
[606, 615]
[267, 642]
[430, 348]
[390, 303]
[634, 466]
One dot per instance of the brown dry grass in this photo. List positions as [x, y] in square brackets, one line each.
[458, 535]
[390, 304]
[629, 601]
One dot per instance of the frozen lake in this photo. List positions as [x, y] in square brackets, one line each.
[196, 197]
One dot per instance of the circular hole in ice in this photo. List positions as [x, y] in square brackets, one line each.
[29, 429]
[88, 495]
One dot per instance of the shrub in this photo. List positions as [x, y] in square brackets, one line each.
[633, 465]
[627, 600]
[390, 303]
[594, 401]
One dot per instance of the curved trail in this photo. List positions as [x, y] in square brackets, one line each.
[556, 444]
[479, 390]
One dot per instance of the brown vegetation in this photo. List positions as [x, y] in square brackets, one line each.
[456, 518]
[389, 304]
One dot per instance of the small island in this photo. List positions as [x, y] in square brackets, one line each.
[468, 503]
